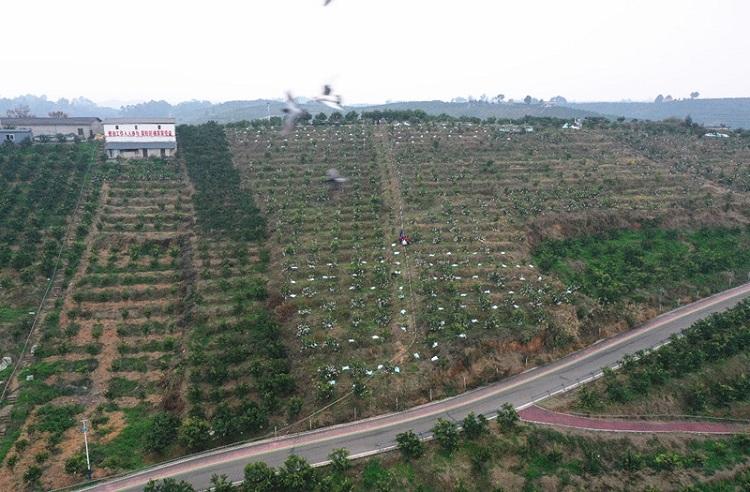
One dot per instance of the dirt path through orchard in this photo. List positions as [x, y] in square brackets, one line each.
[395, 203]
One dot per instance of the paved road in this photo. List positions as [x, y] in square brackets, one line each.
[377, 434]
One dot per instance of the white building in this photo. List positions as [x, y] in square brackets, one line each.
[140, 138]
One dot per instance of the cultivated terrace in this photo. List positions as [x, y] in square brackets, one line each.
[234, 292]
[514, 236]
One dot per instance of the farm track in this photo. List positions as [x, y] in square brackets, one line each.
[392, 180]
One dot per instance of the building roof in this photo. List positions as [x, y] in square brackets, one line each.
[34, 121]
[139, 145]
[125, 121]
[15, 130]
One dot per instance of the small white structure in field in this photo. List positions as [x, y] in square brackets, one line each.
[716, 135]
[576, 125]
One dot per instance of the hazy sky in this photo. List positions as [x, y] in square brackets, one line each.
[376, 50]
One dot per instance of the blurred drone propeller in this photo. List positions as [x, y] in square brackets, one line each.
[333, 176]
[293, 114]
[330, 99]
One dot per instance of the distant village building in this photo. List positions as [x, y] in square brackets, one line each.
[81, 127]
[16, 136]
[510, 128]
[716, 135]
[140, 138]
[576, 125]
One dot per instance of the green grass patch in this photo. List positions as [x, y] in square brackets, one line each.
[43, 370]
[126, 364]
[721, 454]
[120, 387]
[125, 451]
[618, 265]
[56, 418]
[9, 314]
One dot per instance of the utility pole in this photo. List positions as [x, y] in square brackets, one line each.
[85, 430]
[268, 111]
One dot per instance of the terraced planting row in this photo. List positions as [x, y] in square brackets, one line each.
[39, 187]
[114, 345]
[474, 195]
[477, 200]
[338, 279]
[724, 162]
[239, 383]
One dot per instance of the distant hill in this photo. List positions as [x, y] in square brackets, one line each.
[249, 110]
[201, 111]
[41, 106]
[486, 110]
[732, 112]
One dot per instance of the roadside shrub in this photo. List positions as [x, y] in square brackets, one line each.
[162, 432]
[76, 465]
[296, 474]
[446, 434]
[259, 477]
[339, 460]
[32, 475]
[475, 426]
[507, 418]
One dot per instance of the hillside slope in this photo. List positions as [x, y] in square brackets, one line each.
[234, 291]
[732, 112]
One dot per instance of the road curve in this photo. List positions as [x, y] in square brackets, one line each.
[377, 434]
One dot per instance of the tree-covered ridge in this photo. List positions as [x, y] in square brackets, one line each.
[630, 264]
[219, 202]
